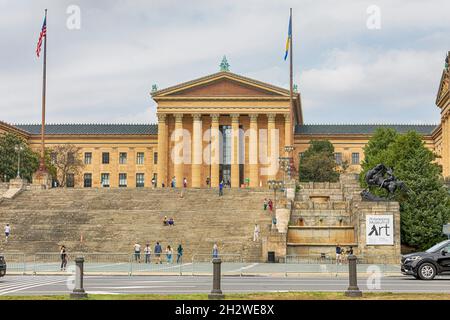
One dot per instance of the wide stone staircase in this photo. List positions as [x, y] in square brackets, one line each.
[112, 220]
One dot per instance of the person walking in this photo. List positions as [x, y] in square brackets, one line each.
[179, 253]
[338, 254]
[148, 253]
[63, 256]
[7, 232]
[221, 188]
[215, 253]
[270, 205]
[265, 204]
[208, 181]
[158, 251]
[137, 252]
[169, 253]
[256, 233]
[184, 183]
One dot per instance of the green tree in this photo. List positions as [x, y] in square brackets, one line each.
[317, 162]
[29, 160]
[426, 207]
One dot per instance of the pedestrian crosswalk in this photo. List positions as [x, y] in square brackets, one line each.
[12, 284]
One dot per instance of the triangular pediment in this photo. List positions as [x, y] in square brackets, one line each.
[222, 84]
[443, 91]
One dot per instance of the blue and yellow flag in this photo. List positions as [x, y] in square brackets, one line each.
[288, 41]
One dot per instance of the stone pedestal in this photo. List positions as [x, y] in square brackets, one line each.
[42, 179]
[17, 183]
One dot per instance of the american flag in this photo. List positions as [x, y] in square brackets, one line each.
[41, 37]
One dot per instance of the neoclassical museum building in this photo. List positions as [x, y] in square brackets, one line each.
[221, 127]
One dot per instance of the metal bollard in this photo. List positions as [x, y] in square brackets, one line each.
[353, 290]
[78, 292]
[216, 293]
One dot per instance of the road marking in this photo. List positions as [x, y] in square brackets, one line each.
[242, 268]
[30, 286]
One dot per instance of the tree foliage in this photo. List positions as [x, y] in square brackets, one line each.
[426, 207]
[318, 163]
[29, 159]
[66, 159]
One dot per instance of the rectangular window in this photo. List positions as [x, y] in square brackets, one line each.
[139, 180]
[122, 158]
[155, 158]
[70, 180]
[140, 158]
[105, 158]
[355, 158]
[70, 158]
[122, 180]
[88, 180]
[105, 180]
[338, 158]
[88, 158]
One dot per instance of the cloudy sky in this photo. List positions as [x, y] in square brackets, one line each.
[104, 71]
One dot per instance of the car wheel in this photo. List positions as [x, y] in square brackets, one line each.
[427, 271]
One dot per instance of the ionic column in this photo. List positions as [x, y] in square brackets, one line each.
[178, 158]
[162, 149]
[253, 151]
[271, 135]
[197, 151]
[215, 151]
[235, 151]
[287, 132]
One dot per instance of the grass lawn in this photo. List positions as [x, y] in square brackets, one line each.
[253, 296]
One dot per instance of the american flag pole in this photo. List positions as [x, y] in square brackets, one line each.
[44, 89]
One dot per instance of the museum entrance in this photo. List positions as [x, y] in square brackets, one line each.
[226, 155]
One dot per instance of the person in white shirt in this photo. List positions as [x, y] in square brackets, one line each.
[7, 231]
[137, 252]
[148, 252]
[256, 233]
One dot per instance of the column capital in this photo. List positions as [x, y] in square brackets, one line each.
[215, 117]
[253, 117]
[161, 117]
[235, 117]
[178, 117]
[287, 117]
[271, 117]
[197, 116]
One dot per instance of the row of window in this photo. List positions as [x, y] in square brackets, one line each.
[355, 158]
[122, 158]
[338, 157]
[105, 182]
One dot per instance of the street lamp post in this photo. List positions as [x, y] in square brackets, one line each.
[19, 149]
[275, 185]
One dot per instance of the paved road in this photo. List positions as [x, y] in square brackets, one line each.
[54, 285]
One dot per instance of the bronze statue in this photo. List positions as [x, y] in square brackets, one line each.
[382, 177]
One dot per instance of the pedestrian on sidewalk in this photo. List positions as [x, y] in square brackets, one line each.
[137, 252]
[148, 253]
[63, 256]
[256, 233]
[158, 251]
[265, 204]
[179, 253]
[7, 232]
[338, 254]
[215, 253]
[169, 253]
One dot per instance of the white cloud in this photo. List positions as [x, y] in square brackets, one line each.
[104, 72]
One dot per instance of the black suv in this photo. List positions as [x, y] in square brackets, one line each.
[2, 266]
[426, 265]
